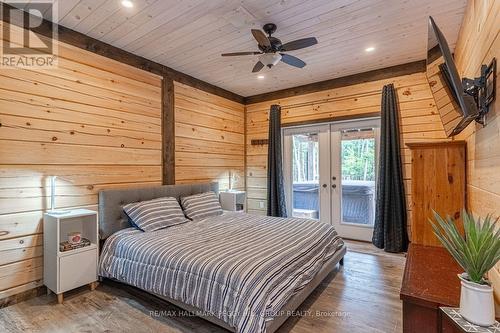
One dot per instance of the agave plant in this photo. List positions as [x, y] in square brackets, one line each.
[478, 251]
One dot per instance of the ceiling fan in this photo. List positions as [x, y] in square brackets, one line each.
[271, 49]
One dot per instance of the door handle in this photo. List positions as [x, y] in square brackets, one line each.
[324, 185]
[334, 178]
[334, 185]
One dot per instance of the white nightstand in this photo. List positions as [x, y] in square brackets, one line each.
[233, 201]
[63, 271]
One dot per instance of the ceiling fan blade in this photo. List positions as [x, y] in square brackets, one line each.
[239, 54]
[261, 38]
[292, 61]
[258, 66]
[299, 44]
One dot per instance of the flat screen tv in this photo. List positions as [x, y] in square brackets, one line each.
[456, 107]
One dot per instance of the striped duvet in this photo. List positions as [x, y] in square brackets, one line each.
[240, 268]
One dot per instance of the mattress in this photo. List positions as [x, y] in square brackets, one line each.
[240, 268]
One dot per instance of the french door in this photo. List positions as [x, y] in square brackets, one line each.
[330, 174]
[354, 163]
[307, 171]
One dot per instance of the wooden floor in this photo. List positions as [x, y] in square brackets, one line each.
[363, 296]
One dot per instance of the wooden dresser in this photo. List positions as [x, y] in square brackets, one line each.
[429, 281]
[437, 183]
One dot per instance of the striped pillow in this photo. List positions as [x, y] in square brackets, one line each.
[202, 205]
[155, 214]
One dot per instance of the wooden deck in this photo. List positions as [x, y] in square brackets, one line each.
[363, 296]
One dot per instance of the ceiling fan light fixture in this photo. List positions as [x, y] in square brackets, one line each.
[271, 50]
[270, 59]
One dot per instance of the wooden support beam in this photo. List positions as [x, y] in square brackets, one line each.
[378, 74]
[168, 131]
[331, 119]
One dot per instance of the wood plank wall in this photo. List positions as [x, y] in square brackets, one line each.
[419, 122]
[209, 138]
[478, 43]
[92, 121]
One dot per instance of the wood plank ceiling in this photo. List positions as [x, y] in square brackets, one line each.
[190, 35]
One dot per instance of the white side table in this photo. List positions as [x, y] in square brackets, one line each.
[233, 201]
[63, 271]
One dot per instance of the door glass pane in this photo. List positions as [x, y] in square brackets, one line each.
[358, 176]
[305, 175]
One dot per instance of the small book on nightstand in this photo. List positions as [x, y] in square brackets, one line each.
[67, 246]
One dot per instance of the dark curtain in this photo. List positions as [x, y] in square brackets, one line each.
[390, 216]
[276, 205]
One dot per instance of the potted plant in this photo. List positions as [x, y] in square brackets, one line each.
[477, 251]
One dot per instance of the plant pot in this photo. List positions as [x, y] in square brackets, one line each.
[476, 302]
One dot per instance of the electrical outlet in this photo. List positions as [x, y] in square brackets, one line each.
[261, 204]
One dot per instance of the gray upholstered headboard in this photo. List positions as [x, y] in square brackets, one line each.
[111, 215]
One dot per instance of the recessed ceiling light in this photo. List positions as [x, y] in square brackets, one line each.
[127, 3]
[260, 77]
[370, 49]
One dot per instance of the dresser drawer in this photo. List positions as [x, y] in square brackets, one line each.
[77, 270]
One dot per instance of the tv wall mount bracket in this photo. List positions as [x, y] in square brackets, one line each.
[483, 89]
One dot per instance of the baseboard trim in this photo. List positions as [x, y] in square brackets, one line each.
[23, 296]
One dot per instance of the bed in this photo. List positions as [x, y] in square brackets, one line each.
[246, 273]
